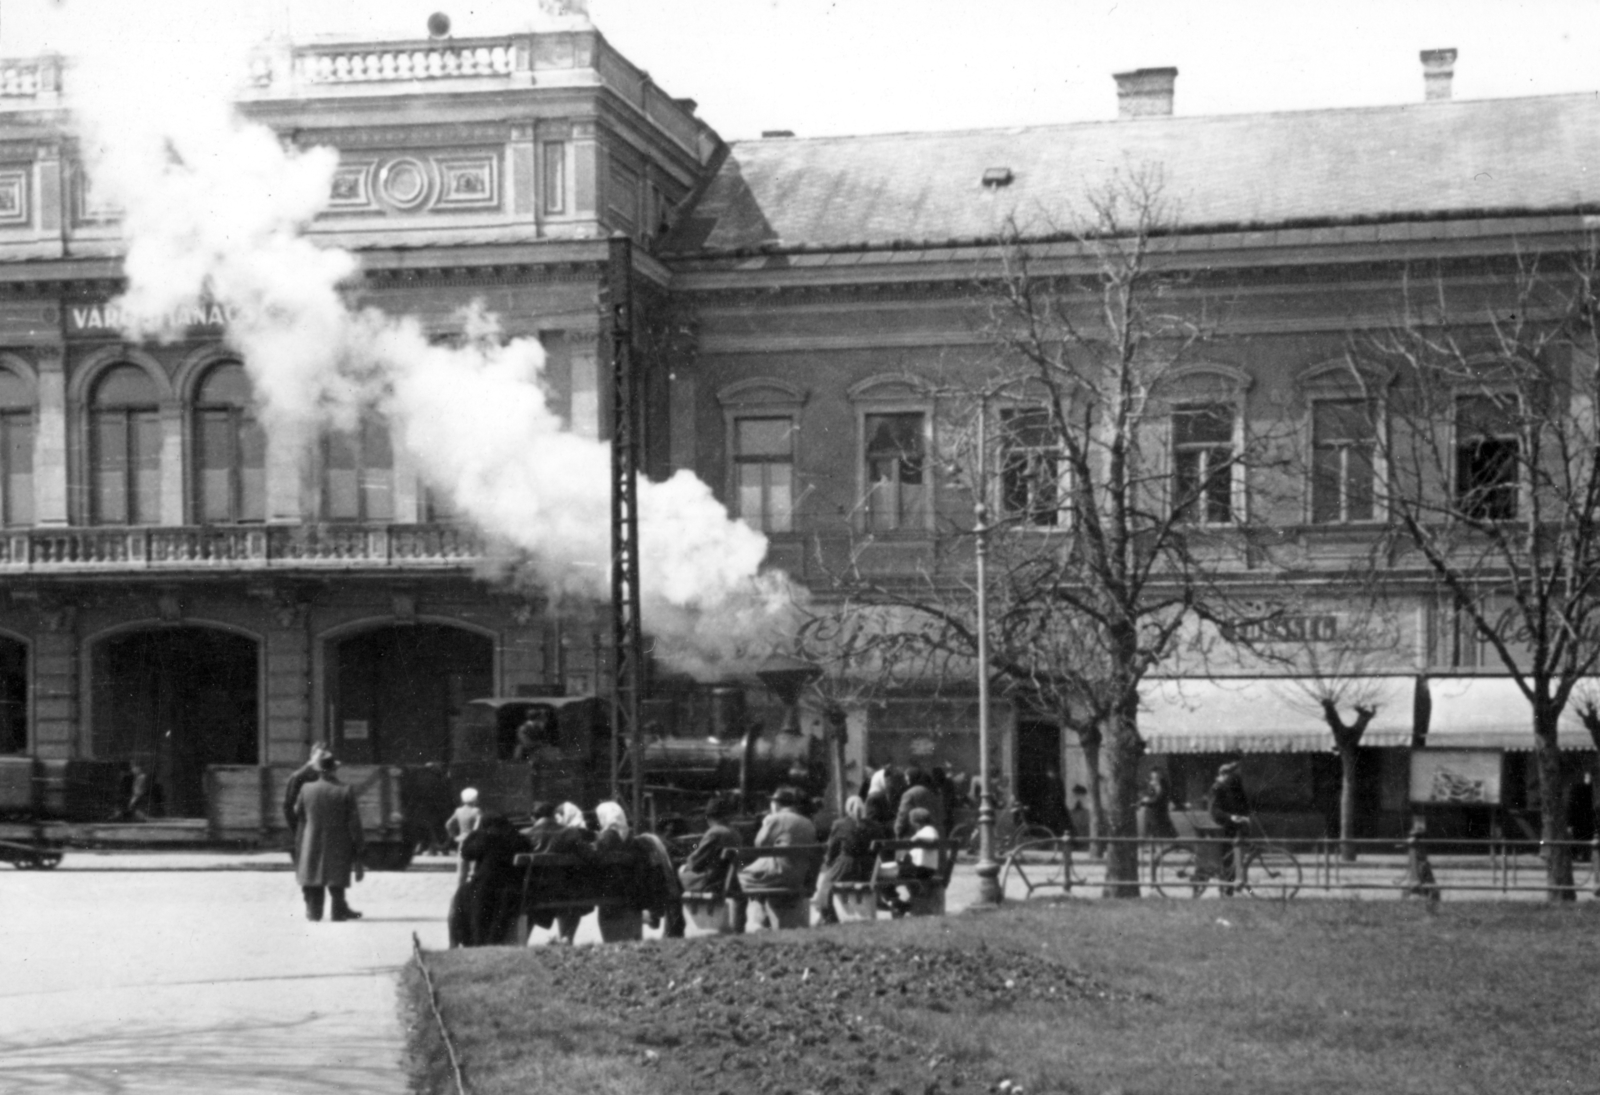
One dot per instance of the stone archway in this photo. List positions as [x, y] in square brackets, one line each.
[177, 699]
[393, 691]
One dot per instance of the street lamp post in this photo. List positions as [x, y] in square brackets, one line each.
[988, 868]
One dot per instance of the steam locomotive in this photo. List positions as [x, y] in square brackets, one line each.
[697, 741]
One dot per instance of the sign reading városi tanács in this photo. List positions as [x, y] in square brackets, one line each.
[107, 319]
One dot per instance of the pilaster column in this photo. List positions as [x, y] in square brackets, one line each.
[172, 469]
[50, 441]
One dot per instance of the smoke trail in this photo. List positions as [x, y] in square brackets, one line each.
[215, 207]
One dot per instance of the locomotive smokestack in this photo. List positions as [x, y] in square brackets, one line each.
[786, 677]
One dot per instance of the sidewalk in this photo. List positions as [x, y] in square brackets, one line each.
[199, 973]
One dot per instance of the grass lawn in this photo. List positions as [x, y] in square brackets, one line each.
[1103, 996]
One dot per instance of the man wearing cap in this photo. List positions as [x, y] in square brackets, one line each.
[330, 841]
[784, 825]
[1230, 809]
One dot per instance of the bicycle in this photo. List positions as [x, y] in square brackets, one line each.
[1011, 829]
[1263, 869]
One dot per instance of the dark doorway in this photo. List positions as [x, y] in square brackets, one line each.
[13, 696]
[177, 700]
[1039, 786]
[394, 692]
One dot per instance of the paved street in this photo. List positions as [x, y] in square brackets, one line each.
[183, 973]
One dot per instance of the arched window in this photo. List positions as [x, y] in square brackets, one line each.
[230, 450]
[16, 450]
[358, 474]
[125, 448]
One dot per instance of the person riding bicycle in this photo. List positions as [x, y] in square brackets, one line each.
[1230, 809]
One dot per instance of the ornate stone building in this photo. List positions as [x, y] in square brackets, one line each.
[183, 589]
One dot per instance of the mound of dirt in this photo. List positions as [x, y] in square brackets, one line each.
[799, 1018]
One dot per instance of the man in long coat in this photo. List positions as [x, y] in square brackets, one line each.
[331, 842]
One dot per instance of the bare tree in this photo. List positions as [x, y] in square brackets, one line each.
[1341, 683]
[1115, 477]
[1482, 398]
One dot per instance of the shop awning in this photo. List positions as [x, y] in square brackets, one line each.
[1264, 715]
[1492, 713]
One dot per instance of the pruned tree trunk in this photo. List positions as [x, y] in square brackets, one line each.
[1347, 803]
[1089, 738]
[1121, 752]
[1347, 740]
[1553, 832]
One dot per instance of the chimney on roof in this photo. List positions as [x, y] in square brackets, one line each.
[1438, 66]
[1145, 92]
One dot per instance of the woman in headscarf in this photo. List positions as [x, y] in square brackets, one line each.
[848, 857]
[569, 816]
[613, 821]
[551, 835]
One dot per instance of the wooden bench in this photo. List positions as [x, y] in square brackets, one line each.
[776, 907]
[859, 900]
[605, 881]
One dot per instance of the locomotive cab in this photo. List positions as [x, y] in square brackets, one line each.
[511, 748]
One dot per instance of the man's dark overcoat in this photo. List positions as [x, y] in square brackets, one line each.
[331, 841]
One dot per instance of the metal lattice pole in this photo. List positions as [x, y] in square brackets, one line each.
[626, 443]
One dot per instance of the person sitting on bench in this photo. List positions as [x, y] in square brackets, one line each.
[784, 825]
[849, 854]
[704, 870]
[548, 835]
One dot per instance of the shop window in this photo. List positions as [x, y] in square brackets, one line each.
[125, 449]
[16, 450]
[230, 479]
[763, 462]
[1343, 445]
[1487, 458]
[1032, 489]
[358, 474]
[897, 473]
[1203, 462]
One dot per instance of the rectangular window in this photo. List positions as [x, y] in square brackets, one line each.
[896, 472]
[358, 475]
[1031, 490]
[555, 176]
[232, 478]
[1487, 452]
[1202, 462]
[763, 461]
[439, 506]
[1343, 442]
[17, 427]
[127, 467]
[377, 472]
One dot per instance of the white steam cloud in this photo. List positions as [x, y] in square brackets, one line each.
[214, 207]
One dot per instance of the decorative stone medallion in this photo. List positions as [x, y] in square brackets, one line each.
[403, 183]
